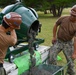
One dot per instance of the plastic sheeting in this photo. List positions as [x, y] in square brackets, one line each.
[23, 62]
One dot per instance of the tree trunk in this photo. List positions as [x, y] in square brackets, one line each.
[45, 11]
[56, 11]
[60, 9]
[53, 8]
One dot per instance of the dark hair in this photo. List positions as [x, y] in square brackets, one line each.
[5, 25]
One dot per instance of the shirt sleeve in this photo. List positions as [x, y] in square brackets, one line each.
[59, 21]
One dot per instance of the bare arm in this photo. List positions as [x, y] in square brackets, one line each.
[74, 53]
[54, 33]
[14, 37]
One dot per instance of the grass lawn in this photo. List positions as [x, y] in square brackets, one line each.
[48, 21]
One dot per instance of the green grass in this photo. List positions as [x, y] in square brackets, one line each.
[46, 30]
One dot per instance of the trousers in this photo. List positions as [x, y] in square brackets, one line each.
[67, 48]
[2, 70]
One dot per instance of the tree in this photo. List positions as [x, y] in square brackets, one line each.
[4, 3]
[32, 3]
[57, 6]
[41, 5]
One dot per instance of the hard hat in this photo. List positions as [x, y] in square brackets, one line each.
[73, 10]
[13, 19]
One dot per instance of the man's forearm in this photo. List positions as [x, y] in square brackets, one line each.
[14, 36]
[75, 45]
[54, 30]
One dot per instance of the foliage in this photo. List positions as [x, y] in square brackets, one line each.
[55, 6]
[4, 3]
[37, 4]
[58, 6]
[32, 3]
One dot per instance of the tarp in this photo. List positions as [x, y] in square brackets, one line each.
[59, 58]
[23, 62]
